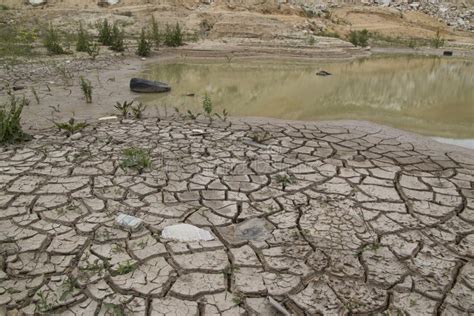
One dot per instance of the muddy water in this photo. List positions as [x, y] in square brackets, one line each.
[431, 96]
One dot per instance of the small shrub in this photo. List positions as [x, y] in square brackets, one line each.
[52, 41]
[135, 158]
[71, 127]
[124, 107]
[438, 40]
[83, 40]
[86, 87]
[285, 180]
[93, 50]
[173, 37]
[4, 7]
[155, 35]
[138, 110]
[105, 33]
[144, 46]
[359, 38]
[10, 121]
[117, 43]
[207, 105]
[125, 267]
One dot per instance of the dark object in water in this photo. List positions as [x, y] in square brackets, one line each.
[148, 86]
[323, 73]
[448, 53]
[190, 95]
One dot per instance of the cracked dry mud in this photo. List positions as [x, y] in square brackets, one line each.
[373, 221]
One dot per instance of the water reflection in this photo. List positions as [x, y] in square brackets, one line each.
[433, 96]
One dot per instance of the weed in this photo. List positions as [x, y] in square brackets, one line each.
[438, 40]
[191, 115]
[125, 267]
[35, 94]
[117, 43]
[86, 87]
[124, 107]
[71, 127]
[52, 41]
[224, 115]
[10, 121]
[359, 38]
[105, 33]
[259, 137]
[114, 309]
[285, 180]
[155, 35]
[173, 37]
[138, 110]
[68, 286]
[135, 158]
[144, 46]
[83, 42]
[93, 50]
[142, 244]
[311, 40]
[42, 305]
[4, 7]
[117, 248]
[207, 104]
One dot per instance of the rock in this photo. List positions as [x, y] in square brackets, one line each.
[37, 2]
[186, 232]
[131, 222]
[106, 3]
[75, 136]
[323, 73]
[148, 86]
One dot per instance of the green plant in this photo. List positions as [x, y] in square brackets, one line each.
[68, 286]
[191, 115]
[438, 40]
[86, 87]
[117, 248]
[114, 309]
[42, 304]
[83, 42]
[144, 46]
[285, 180]
[224, 115]
[155, 35]
[10, 121]
[125, 267]
[173, 37]
[117, 43]
[93, 50]
[359, 38]
[105, 33]
[138, 110]
[207, 104]
[135, 158]
[71, 127]
[52, 41]
[124, 107]
[311, 40]
[259, 137]
[4, 7]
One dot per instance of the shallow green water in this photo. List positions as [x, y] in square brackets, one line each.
[431, 96]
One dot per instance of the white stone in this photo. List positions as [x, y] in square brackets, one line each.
[186, 232]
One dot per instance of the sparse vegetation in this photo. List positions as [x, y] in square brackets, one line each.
[259, 137]
[155, 34]
[105, 33]
[42, 304]
[144, 46]
[138, 110]
[124, 107]
[16, 42]
[125, 267]
[224, 115]
[52, 41]
[173, 36]
[83, 42]
[71, 127]
[207, 105]
[86, 87]
[359, 38]
[285, 180]
[117, 40]
[10, 121]
[438, 40]
[68, 286]
[135, 158]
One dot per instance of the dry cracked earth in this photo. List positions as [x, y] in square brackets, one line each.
[326, 218]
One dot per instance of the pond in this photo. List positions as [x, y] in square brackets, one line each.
[428, 95]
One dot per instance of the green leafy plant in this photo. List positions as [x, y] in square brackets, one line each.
[125, 267]
[144, 46]
[438, 40]
[138, 110]
[86, 87]
[42, 304]
[68, 286]
[124, 107]
[83, 42]
[224, 115]
[10, 121]
[117, 40]
[359, 38]
[71, 127]
[105, 33]
[207, 105]
[135, 158]
[285, 180]
[114, 309]
[155, 35]
[93, 50]
[52, 41]
[191, 115]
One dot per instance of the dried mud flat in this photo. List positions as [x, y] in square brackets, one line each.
[373, 221]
